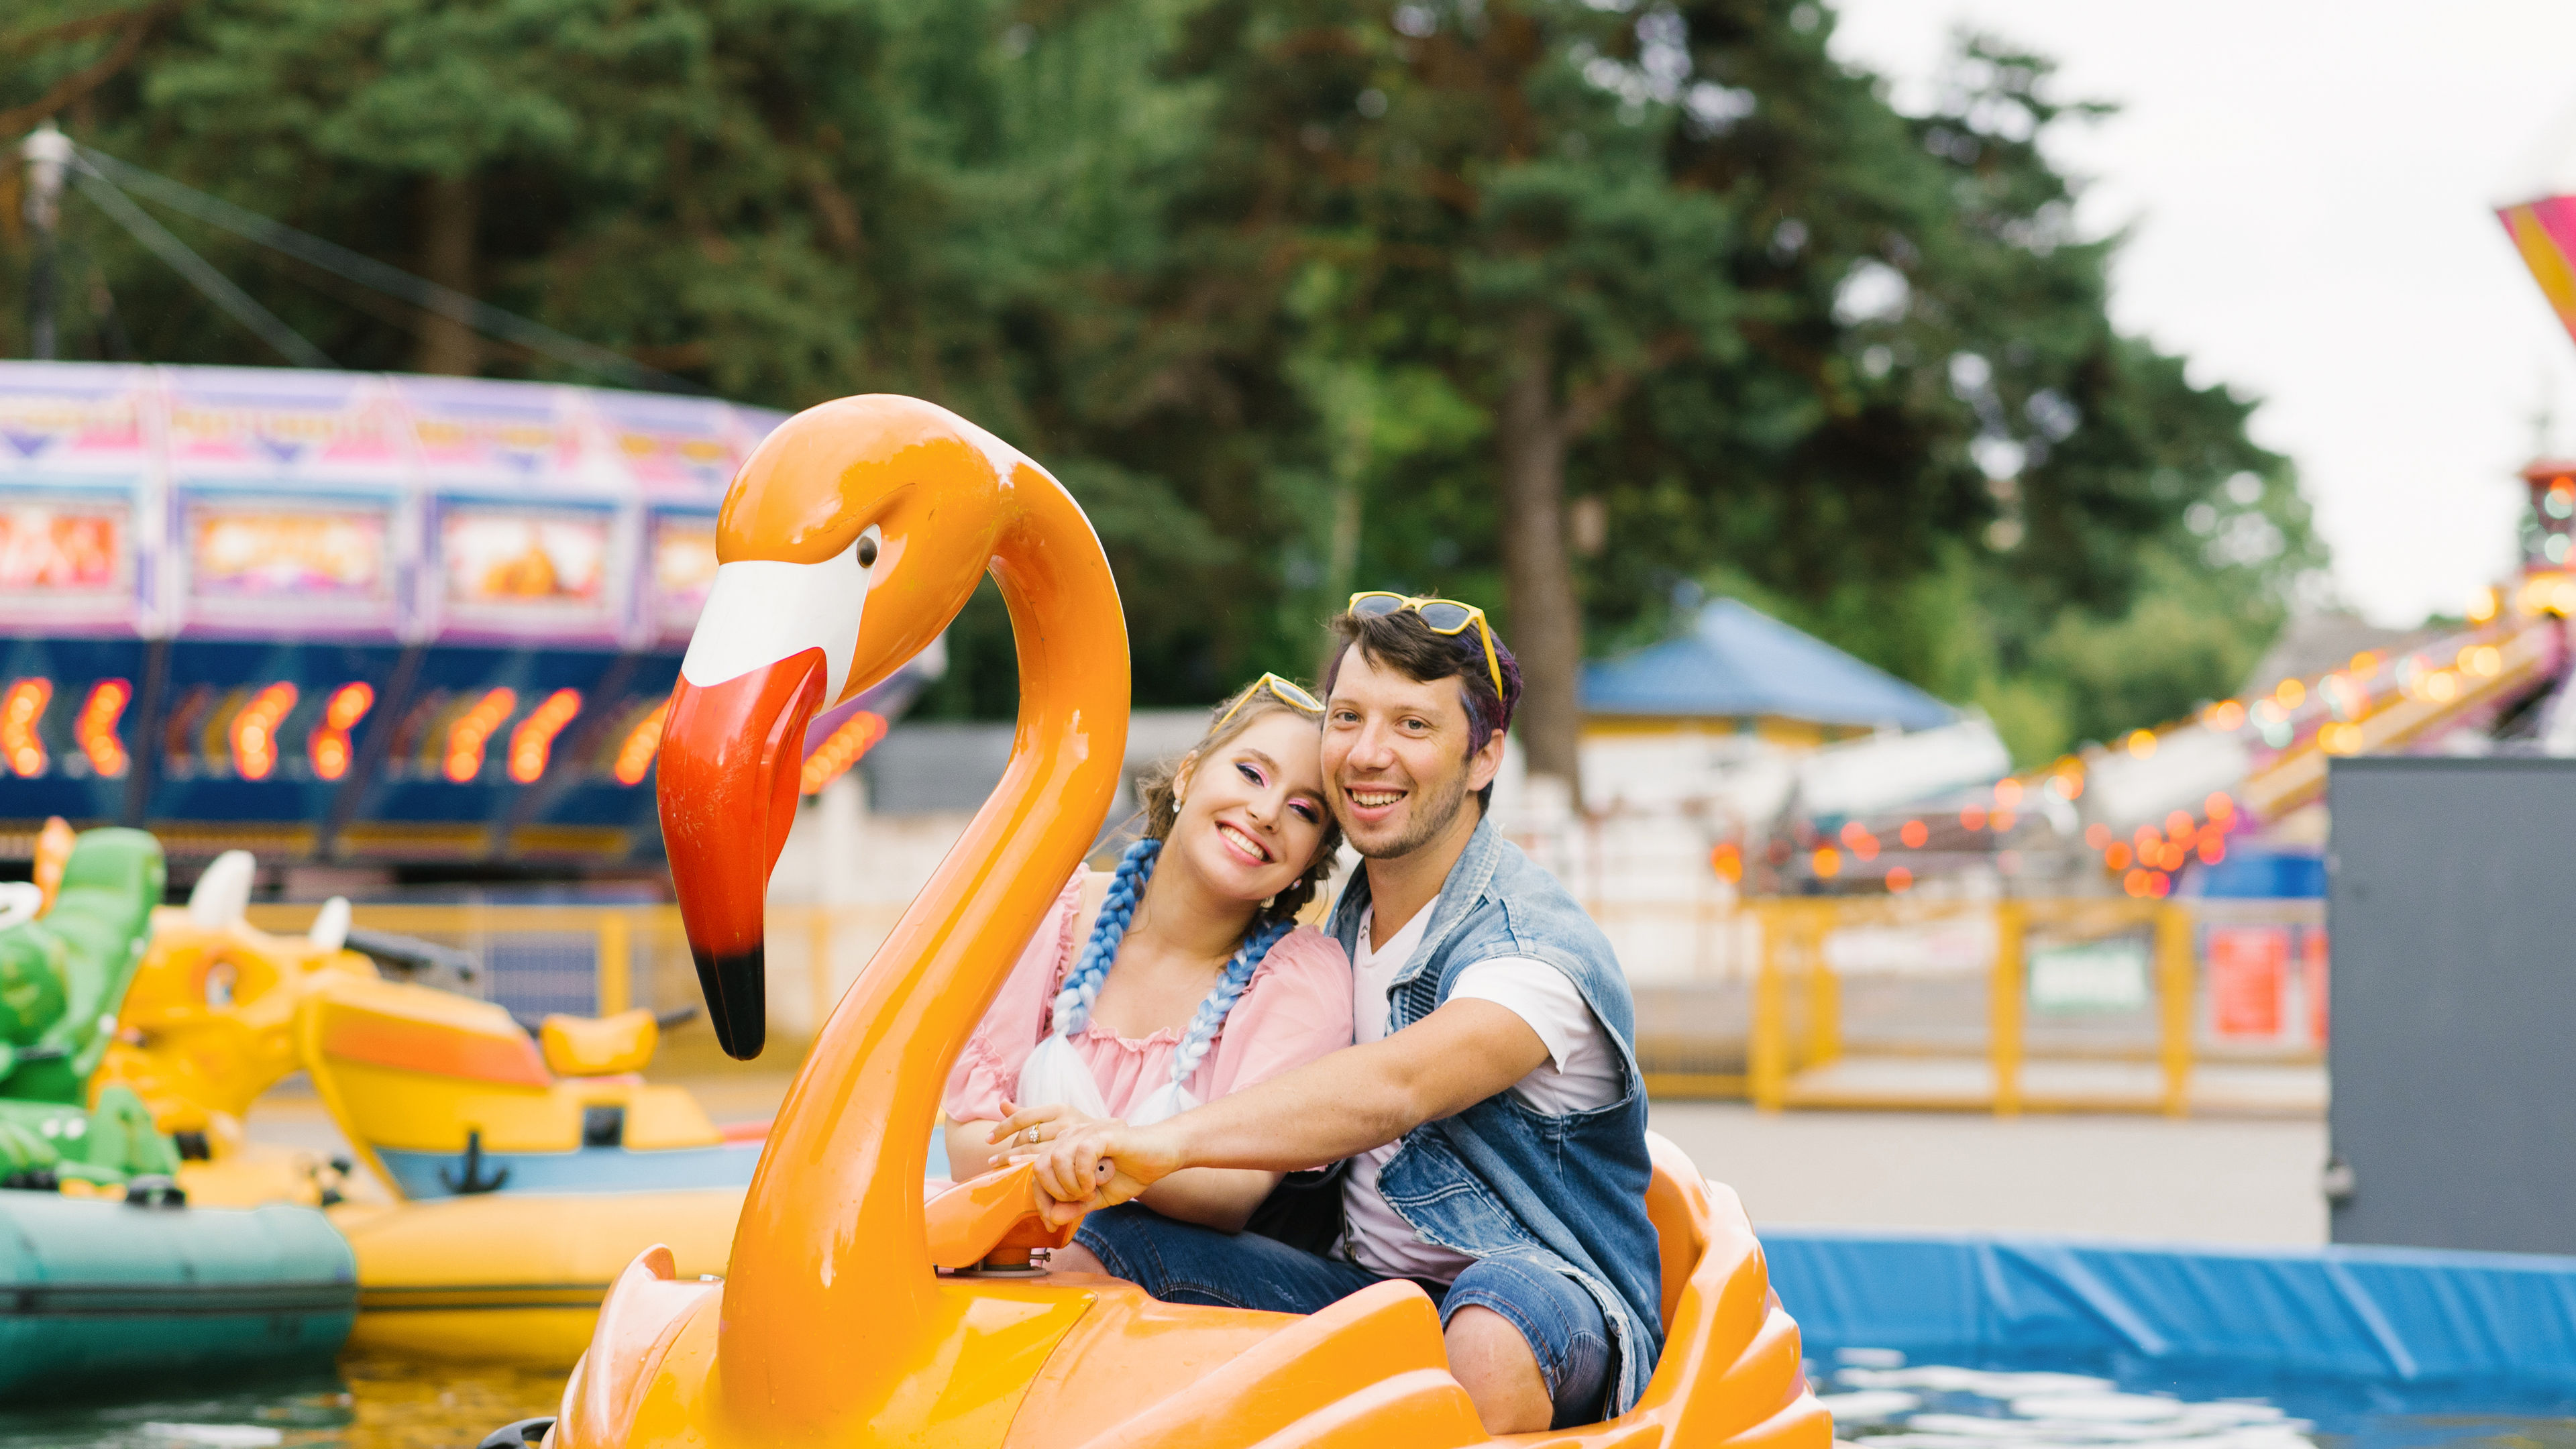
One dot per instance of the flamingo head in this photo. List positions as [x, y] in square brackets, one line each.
[850, 538]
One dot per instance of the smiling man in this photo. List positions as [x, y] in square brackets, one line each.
[1490, 1120]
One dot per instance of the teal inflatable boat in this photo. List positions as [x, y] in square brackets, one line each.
[127, 1290]
[116, 1298]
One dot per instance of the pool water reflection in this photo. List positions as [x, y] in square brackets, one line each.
[1880, 1399]
[373, 1404]
[1883, 1399]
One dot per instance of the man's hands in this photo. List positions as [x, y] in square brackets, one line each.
[1075, 1150]
[1344, 1103]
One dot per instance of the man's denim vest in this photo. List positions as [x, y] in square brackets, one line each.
[1500, 1179]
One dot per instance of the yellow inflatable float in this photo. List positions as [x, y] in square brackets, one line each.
[517, 1176]
[857, 1313]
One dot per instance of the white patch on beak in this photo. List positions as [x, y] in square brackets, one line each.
[760, 611]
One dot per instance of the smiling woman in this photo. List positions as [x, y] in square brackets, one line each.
[1183, 976]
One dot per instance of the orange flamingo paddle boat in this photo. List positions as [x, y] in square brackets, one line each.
[860, 1311]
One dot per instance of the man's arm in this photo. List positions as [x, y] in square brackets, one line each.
[1355, 1099]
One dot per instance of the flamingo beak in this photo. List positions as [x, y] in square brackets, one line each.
[726, 782]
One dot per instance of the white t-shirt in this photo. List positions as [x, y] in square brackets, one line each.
[1581, 1072]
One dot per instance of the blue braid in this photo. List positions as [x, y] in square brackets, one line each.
[1082, 985]
[1212, 1012]
[1117, 910]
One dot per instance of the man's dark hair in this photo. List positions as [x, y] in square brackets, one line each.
[1401, 641]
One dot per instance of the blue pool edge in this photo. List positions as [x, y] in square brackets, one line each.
[2408, 1314]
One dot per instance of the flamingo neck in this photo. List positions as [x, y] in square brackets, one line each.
[831, 1285]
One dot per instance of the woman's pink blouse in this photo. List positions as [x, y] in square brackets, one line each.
[1297, 1008]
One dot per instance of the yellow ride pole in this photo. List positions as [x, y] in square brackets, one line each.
[2012, 922]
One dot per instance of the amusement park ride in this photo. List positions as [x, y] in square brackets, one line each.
[2143, 809]
[341, 617]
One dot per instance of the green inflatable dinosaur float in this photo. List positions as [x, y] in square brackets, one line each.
[62, 979]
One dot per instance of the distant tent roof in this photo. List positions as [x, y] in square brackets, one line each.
[1741, 661]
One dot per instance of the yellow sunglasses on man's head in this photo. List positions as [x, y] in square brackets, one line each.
[1440, 616]
[1286, 691]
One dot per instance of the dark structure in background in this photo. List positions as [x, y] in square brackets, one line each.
[2454, 1003]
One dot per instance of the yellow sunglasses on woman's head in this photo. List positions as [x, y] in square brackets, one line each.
[1440, 616]
[1286, 691]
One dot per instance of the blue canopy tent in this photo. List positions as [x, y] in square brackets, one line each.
[1741, 663]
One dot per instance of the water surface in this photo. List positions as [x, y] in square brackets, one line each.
[1884, 1399]
[371, 1404]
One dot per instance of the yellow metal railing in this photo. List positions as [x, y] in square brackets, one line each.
[637, 955]
[1795, 1026]
[1797, 1019]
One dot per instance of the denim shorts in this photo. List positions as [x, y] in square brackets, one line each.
[1185, 1263]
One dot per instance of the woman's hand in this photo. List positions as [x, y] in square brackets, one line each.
[1023, 1130]
[1096, 1164]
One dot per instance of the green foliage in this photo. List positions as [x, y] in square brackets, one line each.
[1256, 277]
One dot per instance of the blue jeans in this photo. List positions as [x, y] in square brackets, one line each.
[1185, 1263]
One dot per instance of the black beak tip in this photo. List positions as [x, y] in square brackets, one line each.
[737, 1000]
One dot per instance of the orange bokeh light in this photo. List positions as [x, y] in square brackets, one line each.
[1899, 879]
[349, 704]
[20, 710]
[328, 747]
[1727, 861]
[1914, 833]
[94, 728]
[2097, 835]
[535, 737]
[1827, 861]
[635, 755]
[2116, 857]
[472, 729]
[1973, 818]
[862, 730]
[253, 731]
[2008, 794]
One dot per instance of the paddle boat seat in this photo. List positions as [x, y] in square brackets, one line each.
[449, 1096]
[599, 1046]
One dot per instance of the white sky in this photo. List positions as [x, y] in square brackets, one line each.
[2310, 189]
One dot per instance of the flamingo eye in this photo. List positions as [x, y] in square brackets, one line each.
[868, 549]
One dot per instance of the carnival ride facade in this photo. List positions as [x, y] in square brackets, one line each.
[352, 617]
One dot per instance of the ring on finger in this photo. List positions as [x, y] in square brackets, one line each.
[1030, 1135]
